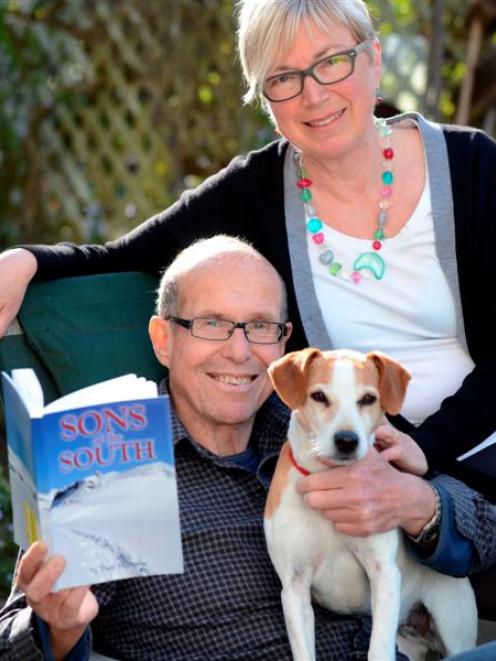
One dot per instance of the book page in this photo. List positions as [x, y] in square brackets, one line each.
[27, 385]
[120, 389]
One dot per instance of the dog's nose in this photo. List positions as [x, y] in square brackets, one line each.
[346, 441]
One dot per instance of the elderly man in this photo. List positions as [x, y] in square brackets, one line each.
[221, 319]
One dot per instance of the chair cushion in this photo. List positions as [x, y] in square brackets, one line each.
[87, 329]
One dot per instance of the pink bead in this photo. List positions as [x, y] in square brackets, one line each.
[386, 191]
[356, 277]
[304, 183]
[388, 153]
[377, 245]
[318, 238]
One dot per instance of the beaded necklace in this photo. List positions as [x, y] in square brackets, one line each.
[369, 262]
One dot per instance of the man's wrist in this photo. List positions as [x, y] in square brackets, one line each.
[421, 505]
[62, 641]
[430, 532]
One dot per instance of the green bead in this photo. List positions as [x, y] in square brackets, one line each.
[305, 195]
[314, 225]
[335, 268]
[387, 177]
[379, 234]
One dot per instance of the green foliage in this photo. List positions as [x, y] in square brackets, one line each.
[40, 65]
[109, 110]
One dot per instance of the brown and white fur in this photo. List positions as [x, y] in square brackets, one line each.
[337, 400]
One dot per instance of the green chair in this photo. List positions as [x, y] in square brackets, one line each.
[77, 331]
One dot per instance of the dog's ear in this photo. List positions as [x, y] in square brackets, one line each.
[289, 376]
[393, 381]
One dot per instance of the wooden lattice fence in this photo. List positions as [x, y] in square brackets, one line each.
[158, 110]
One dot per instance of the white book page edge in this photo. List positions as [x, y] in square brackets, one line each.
[27, 385]
[121, 389]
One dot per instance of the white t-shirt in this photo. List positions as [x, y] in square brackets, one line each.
[409, 314]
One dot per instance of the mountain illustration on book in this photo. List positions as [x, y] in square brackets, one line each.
[96, 479]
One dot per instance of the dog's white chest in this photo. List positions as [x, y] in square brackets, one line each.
[340, 582]
[302, 540]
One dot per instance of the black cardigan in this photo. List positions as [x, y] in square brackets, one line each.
[246, 199]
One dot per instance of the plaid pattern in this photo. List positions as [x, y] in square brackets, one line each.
[475, 519]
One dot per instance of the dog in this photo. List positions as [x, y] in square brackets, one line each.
[337, 399]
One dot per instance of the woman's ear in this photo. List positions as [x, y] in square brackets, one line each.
[377, 60]
[159, 331]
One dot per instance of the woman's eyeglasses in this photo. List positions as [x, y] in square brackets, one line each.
[329, 70]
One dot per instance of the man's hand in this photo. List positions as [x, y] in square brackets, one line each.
[370, 496]
[400, 450]
[17, 268]
[67, 612]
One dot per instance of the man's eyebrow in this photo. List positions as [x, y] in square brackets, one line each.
[329, 50]
[210, 315]
[256, 316]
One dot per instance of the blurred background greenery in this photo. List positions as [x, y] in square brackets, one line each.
[110, 108]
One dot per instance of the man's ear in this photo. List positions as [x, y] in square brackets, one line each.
[285, 339]
[160, 331]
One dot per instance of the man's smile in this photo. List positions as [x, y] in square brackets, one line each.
[234, 380]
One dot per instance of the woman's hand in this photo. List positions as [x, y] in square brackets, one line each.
[67, 612]
[370, 496]
[17, 268]
[400, 450]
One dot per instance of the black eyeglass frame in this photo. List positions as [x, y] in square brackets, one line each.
[188, 323]
[352, 53]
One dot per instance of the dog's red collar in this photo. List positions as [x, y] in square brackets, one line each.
[302, 470]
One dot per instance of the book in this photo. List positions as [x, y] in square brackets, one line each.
[92, 474]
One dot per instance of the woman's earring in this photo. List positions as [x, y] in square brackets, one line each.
[378, 98]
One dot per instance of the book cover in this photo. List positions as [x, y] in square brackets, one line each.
[92, 474]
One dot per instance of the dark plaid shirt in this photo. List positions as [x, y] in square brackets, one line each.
[227, 604]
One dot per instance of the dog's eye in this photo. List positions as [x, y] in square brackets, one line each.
[367, 400]
[319, 396]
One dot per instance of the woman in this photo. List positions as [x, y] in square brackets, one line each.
[383, 233]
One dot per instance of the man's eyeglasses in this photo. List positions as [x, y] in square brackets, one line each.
[329, 70]
[219, 330]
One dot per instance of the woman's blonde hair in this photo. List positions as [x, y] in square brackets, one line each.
[266, 29]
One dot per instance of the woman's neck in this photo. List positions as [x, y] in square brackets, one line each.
[351, 174]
